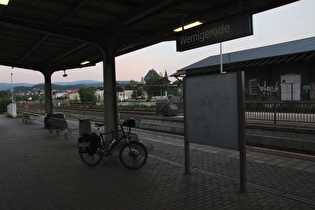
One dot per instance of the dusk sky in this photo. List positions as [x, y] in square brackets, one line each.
[287, 23]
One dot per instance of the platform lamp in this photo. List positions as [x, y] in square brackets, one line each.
[64, 73]
[4, 2]
[85, 62]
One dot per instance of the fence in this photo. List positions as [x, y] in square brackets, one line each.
[289, 112]
[284, 111]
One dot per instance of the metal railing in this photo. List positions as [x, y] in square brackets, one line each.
[285, 111]
[281, 111]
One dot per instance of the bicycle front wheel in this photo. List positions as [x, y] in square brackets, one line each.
[133, 155]
[91, 159]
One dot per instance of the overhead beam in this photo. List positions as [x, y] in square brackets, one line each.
[61, 19]
[151, 10]
[22, 66]
[271, 5]
[51, 29]
[70, 11]
[124, 3]
[31, 49]
[71, 51]
[136, 14]
[310, 56]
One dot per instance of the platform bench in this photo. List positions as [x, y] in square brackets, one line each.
[60, 125]
[26, 118]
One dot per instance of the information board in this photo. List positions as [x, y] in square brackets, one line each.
[211, 110]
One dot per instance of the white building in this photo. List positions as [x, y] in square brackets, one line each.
[99, 94]
[74, 96]
[125, 95]
[59, 95]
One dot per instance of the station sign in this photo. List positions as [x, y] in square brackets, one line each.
[215, 32]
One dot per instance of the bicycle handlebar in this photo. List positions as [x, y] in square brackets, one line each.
[128, 123]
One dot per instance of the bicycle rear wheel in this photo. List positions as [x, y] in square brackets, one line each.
[91, 159]
[133, 155]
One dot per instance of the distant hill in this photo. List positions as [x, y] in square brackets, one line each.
[23, 87]
[78, 82]
[123, 82]
[7, 86]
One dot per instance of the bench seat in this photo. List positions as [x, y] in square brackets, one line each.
[27, 118]
[60, 125]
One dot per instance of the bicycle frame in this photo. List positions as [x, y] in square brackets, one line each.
[114, 142]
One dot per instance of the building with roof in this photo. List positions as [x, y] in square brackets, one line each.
[57, 95]
[151, 73]
[124, 95]
[284, 71]
[73, 95]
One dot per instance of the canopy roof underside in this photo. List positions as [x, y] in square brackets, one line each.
[50, 35]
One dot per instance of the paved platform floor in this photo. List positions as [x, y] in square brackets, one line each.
[40, 170]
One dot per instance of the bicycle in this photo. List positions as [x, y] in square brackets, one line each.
[132, 154]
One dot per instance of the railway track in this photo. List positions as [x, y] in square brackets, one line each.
[93, 113]
[101, 110]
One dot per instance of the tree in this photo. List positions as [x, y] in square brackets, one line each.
[21, 98]
[156, 85]
[87, 95]
[137, 92]
[119, 88]
[132, 85]
[4, 94]
[179, 83]
[133, 82]
[5, 100]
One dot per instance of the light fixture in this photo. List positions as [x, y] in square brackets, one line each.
[64, 73]
[85, 62]
[4, 2]
[191, 25]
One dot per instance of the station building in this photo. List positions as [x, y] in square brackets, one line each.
[280, 72]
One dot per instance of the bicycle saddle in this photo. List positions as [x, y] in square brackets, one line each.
[99, 124]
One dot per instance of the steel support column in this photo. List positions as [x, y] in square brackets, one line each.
[241, 129]
[186, 140]
[109, 80]
[48, 98]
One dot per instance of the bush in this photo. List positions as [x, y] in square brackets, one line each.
[4, 102]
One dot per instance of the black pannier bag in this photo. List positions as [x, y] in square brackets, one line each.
[129, 123]
[88, 142]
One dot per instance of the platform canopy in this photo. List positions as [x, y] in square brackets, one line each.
[50, 35]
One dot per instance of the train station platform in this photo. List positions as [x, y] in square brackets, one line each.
[40, 170]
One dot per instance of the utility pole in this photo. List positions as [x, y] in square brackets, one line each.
[12, 87]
